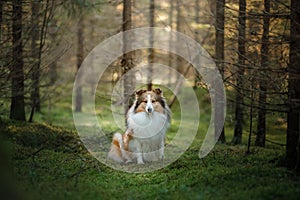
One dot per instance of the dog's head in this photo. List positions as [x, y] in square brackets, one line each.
[149, 101]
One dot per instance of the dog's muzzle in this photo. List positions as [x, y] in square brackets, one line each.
[149, 109]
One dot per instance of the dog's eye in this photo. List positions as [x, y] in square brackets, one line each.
[153, 101]
[144, 101]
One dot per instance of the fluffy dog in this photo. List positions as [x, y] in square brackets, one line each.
[147, 122]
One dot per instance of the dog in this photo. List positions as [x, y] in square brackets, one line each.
[147, 122]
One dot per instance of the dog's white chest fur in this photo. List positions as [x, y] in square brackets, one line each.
[147, 126]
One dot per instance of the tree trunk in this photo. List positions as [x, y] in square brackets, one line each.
[35, 77]
[197, 10]
[52, 32]
[127, 60]
[80, 52]
[151, 41]
[171, 57]
[178, 29]
[1, 12]
[17, 109]
[178, 16]
[239, 115]
[197, 78]
[293, 117]
[261, 123]
[219, 49]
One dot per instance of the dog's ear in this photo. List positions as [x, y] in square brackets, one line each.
[139, 92]
[157, 91]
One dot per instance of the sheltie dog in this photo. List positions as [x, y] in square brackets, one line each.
[147, 122]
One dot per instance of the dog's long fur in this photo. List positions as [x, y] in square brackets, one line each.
[147, 122]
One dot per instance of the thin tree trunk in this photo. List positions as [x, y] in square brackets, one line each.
[178, 16]
[261, 123]
[251, 118]
[219, 48]
[1, 50]
[17, 109]
[35, 77]
[53, 66]
[197, 78]
[1, 19]
[171, 57]
[239, 115]
[178, 29]
[197, 9]
[127, 60]
[151, 41]
[80, 38]
[293, 117]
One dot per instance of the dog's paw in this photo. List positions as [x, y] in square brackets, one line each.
[128, 161]
[140, 161]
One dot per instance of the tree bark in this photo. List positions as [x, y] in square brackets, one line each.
[219, 49]
[52, 32]
[178, 63]
[197, 78]
[239, 115]
[80, 52]
[171, 57]
[293, 117]
[127, 60]
[1, 19]
[178, 16]
[35, 78]
[151, 41]
[17, 109]
[261, 121]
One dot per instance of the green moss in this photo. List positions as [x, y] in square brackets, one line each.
[49, 162]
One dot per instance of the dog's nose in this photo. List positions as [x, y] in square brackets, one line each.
[149, 110]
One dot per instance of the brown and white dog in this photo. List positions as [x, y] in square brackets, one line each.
[147, 122]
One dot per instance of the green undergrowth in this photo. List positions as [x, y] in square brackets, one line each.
[40, 161]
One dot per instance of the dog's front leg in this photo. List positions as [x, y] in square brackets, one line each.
[161, 149]
[140, 158]
[139, 153]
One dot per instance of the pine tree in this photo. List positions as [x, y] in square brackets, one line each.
[17, 109]
[293, 118]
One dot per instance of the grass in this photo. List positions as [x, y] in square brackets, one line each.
[47, 160]
[50, 162]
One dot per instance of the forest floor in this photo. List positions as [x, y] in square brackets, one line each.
[39, 161]
[47, 160]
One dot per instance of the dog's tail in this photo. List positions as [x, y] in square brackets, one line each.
[115, 153]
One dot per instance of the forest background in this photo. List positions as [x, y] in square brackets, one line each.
[255, 45]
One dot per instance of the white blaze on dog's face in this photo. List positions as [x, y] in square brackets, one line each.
[149, 106]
